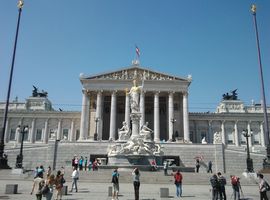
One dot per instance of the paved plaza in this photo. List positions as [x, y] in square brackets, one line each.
[96, 191]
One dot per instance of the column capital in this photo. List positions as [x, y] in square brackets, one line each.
[86, 92]
[185, 93]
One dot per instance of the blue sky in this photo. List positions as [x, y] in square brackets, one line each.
[212, 40]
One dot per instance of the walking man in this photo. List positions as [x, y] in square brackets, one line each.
[115, 182]
[178, 183]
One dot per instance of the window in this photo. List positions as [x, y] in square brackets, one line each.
[230, 138]
[52, 133]
[12, 134]
[65, 134]
[38, 134]
[77, 134]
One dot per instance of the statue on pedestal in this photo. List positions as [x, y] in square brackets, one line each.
[134, 97]
[124, 132]
[146, 132]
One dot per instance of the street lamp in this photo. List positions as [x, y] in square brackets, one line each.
[3, 159]
[173, 135]
[249, 160]
[19, 159]
[266, 163]
[96, 133]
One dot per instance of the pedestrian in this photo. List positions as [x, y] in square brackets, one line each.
[85, 163]
[81, 163]
[197, 165]
[115, 182]
[222, 183]
[50, 182]
[59, 183]
[89, 165]
[136, 182]
[165, 167]
[215, 187]
[49, 171]
[178, 183]
[235, 181]
[263, 185]
[75, 178]
[209, 167]
[37, 185]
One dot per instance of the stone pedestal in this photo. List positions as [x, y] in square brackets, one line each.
[164, 192]
[11, 189]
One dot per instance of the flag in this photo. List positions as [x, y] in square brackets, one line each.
[138, 51]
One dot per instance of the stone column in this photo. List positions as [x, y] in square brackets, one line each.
[46, 135]
[113, 116]
[59, 129]
[249, 132]
[142, 109]
[127, 110]
[72, 131]
[156, 118]
[262, 135]
[185, 117]
[236, 136]
[210, 132]
[99, 114]
[84, 128]
[32, 133]
[223, 132]
[170, 116]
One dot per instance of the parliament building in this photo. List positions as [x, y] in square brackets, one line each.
[163, 104]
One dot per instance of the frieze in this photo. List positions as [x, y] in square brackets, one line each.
[138, 74]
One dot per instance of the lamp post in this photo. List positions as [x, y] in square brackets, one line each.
[266, 163]
[96, 133]
[19, 159]
[173, 135]
[3, 159]
[249, 160]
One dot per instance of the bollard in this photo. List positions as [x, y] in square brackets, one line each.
[64, 190]
[110, 191]
[164, 192]
[11, 188]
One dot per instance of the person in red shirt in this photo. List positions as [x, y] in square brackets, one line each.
[178, 183]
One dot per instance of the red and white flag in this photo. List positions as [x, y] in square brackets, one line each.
[138, 51]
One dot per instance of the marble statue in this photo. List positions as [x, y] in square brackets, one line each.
[134, 97]
[146, 132]
[217, 138]
[204, 141]
[124, 132]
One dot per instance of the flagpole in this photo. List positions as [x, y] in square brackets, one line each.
[266, 163]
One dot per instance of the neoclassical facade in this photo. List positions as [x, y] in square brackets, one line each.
[163, 104]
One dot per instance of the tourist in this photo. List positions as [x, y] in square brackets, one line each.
[209, 169]
[81, 163]
[36, 186]
[235, 181]
[50, 182]
[115, 182]
[59, 183]
[222, 182]
[215, 187]
[136, 182]
[197, 165]
[85, 163]
[263, 185]
[49, 171]
[178, 183]
[89, 165]
[75, 178]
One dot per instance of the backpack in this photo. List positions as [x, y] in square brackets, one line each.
[178, 178]
[267, 186]
[234, 180]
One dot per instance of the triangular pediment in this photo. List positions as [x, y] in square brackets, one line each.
[134, 72]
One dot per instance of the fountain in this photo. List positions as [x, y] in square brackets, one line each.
[136, 146]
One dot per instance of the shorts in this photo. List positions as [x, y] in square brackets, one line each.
[115, 187]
